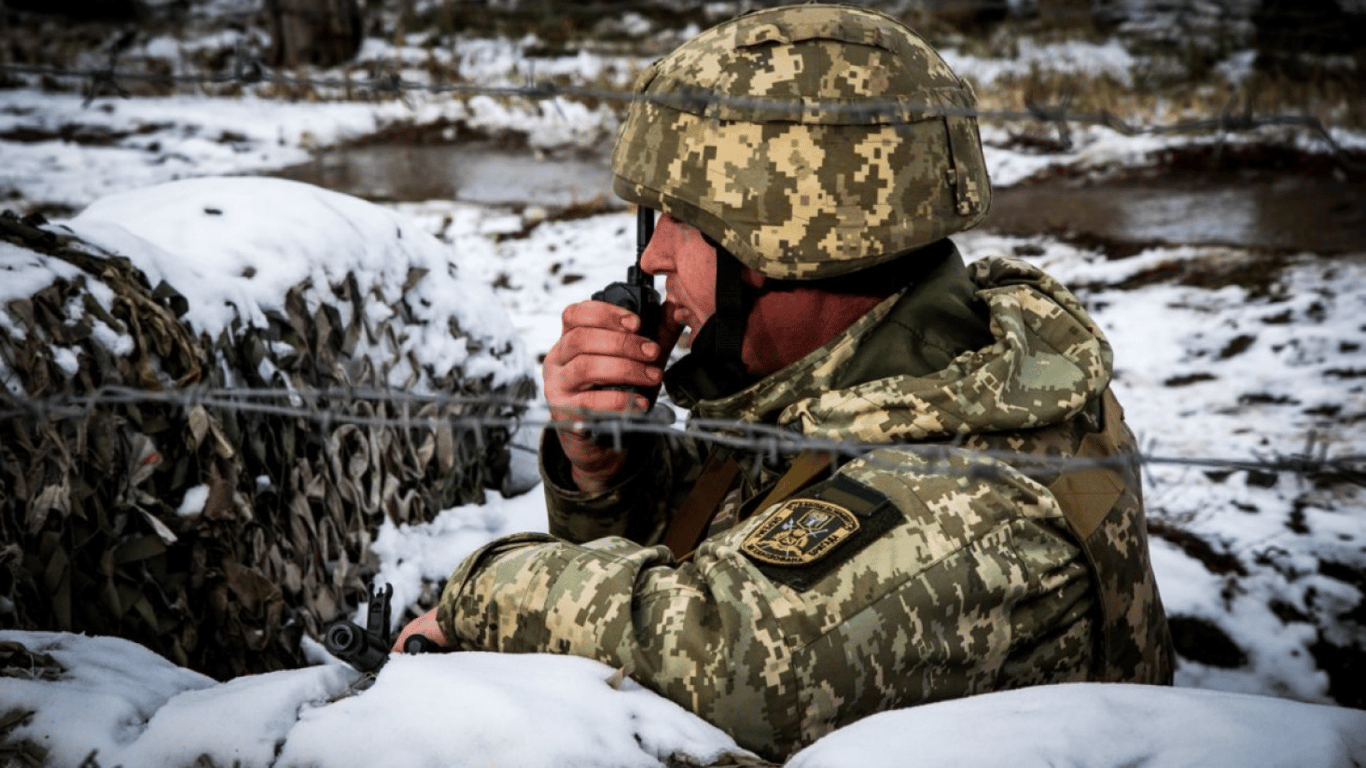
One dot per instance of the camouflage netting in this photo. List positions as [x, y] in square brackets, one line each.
[94, 535]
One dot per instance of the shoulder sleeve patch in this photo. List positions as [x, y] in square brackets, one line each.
[803, 539]
[800, 531]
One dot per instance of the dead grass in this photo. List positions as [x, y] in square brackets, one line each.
[1168, 85]
[1334, 101]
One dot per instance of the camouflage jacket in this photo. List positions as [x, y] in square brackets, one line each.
[938, 564]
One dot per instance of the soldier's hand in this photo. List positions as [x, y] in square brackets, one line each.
[599, 347]
[426, 626]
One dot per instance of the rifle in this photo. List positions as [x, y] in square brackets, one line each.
[367, 648]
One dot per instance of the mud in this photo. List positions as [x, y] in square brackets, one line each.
[1277, 212]
[483, 172]
[1271, 198]
[1258, 199]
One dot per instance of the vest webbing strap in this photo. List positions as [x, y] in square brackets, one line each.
[1087, 495]
[702, 503]
[804, 469]
[689, 524]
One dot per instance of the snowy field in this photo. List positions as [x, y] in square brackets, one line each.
[1227, 362]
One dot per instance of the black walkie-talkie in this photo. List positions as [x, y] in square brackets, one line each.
[638, 292]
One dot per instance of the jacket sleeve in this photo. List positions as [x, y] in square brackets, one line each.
[972, 586]
[635, 507]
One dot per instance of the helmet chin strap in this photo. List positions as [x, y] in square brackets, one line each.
[714, 369]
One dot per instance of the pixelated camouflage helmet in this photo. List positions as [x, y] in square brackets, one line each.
[810, 141]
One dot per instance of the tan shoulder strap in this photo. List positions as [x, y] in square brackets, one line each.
[804, 469]
[1088, 493]
[1088, 496]
[699, 506]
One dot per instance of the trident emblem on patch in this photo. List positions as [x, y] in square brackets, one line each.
[800, 531]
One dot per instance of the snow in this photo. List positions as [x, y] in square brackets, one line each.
[26, 274]
[1228, 371]
[193, 501]
[1095, 725]
[136, 709]
[1258, 402]
[489, 709]
[408, 554]
[235, 246]
[1108, 59]
[163, 139]
[507, 711]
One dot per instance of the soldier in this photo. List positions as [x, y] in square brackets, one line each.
[809, 163]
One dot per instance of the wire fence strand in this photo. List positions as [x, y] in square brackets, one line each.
[476, 415]
[484, 413]
[245, 71]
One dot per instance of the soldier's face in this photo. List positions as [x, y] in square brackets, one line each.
[681, 255]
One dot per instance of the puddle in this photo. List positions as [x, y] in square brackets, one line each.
[1277, 212]
[469, 173]
[1280, 210]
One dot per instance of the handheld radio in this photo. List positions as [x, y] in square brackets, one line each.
[637, 293]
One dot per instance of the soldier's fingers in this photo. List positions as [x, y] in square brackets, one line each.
[599, 402]
[425, 625]
[596, 341]
[590, 372]
[599, 314]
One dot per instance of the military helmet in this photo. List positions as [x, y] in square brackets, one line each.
[810, 141]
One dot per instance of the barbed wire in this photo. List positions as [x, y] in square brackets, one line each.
[245, 70]
[1221, 19]
[477, 414]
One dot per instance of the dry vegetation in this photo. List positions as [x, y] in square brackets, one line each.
[1179, 78]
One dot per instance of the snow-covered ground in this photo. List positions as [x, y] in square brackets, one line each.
[1222, 354]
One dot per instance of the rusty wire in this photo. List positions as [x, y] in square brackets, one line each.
[317, 405]
[245, 70]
